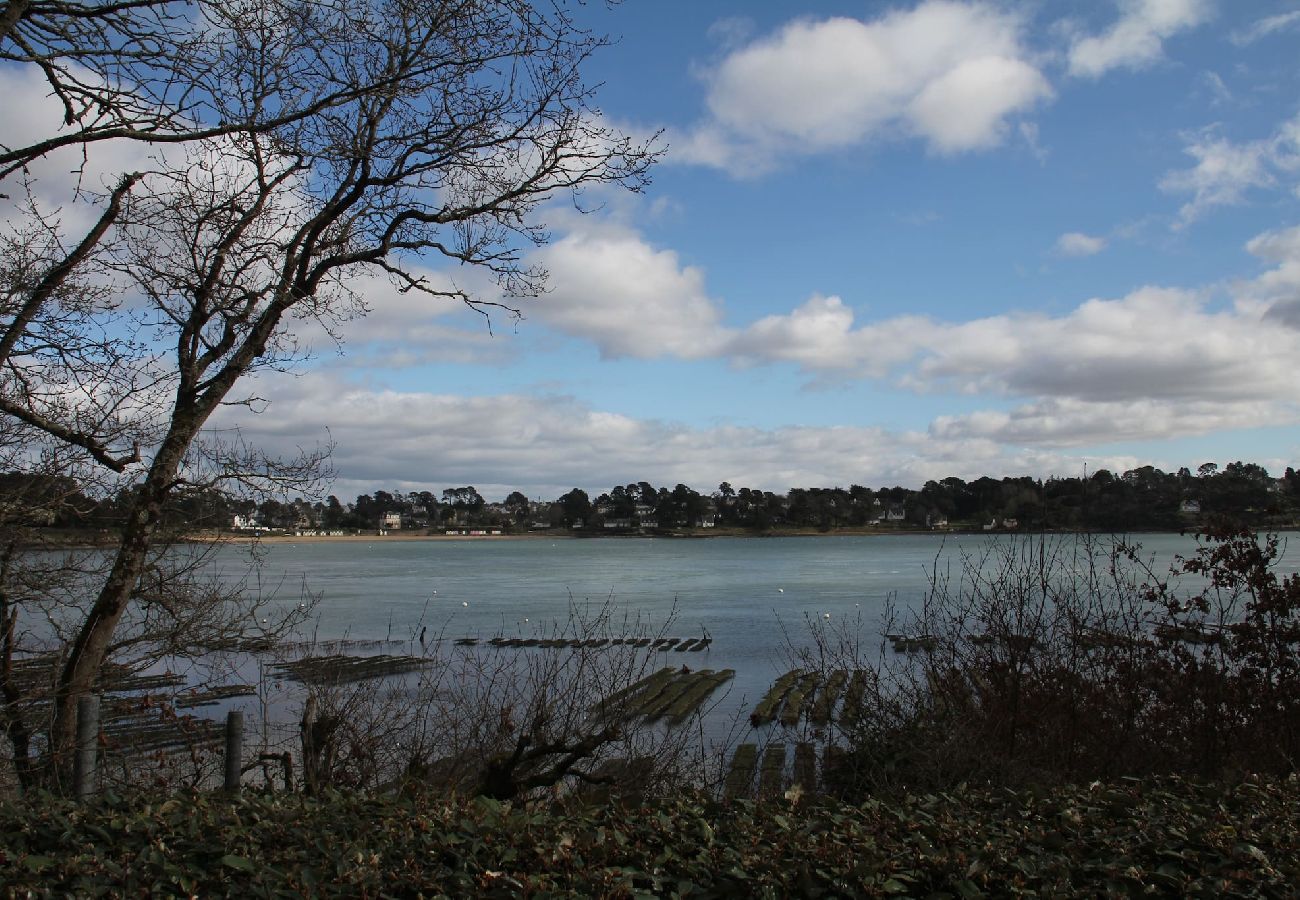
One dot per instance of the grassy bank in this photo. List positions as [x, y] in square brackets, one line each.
[1166, 837]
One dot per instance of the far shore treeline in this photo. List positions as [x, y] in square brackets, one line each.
[1144, 498]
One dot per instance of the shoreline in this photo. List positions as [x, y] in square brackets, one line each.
[702, 534]
[74, 540]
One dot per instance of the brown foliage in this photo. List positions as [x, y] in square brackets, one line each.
[1059, 660]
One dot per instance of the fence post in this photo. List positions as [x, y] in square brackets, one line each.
[234, 750]
[83, 763]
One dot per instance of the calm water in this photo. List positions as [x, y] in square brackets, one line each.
[751, 595]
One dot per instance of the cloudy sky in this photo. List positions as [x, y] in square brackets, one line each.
[888, 242]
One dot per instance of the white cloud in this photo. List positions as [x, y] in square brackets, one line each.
[1156, 344]
[819, 336]
[950, 73]
[1068, 422]
[1029, 134]
[1225, 171]
[1137, 37]
[1217, 89]
[1275, 295]
[631, 300]
[546, 445]
[57, 179]
[407, 328]
[1156, 364]
[1264, 27]
[1076, 243]
[1277, 246]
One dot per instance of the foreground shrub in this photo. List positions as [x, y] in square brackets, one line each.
[1058, 659]
[1168, 837]
[510, 721]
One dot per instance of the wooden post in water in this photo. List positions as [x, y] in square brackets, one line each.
[234, 750]
[83, 763]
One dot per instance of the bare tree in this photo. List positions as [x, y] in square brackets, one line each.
[166, 71]
[437, 129]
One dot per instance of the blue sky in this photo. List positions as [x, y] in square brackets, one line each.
[887, 242]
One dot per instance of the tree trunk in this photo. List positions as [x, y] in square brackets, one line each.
[11, 15]
[86, 657]
[16, 727]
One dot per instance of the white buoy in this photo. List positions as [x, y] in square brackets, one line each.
[464, 603]
[780, 590]
[826, 615]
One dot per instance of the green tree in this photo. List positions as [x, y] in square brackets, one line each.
[332, 516]
[463, 498]
[576, 508]
[520, 508]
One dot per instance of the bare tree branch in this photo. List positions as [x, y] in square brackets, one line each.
[297, 145]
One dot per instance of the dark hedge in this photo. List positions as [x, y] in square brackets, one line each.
[1163, 837]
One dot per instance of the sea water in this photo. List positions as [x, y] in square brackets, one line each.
[755, 597]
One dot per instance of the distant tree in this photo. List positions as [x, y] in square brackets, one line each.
[1240, 488]
[43, 499]
[861, 505]
[332, 514]
[518, 503]
[274, 514]
[463, 498]
[575, 507]
[687, 506]
[622, 504]
[365, 511]
[939, 499]
[799, 509]
[647, 493]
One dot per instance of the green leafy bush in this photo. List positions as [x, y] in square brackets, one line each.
[1163, 836]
